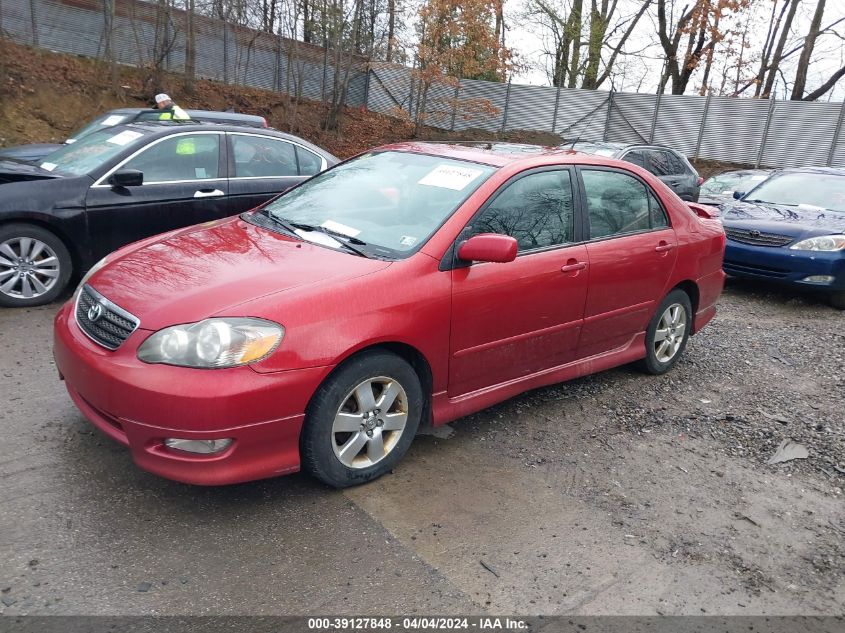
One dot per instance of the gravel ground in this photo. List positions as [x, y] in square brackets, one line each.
[613, 494]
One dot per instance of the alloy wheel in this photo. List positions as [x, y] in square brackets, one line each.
[29, 268]
[670, 332]
[370, 422]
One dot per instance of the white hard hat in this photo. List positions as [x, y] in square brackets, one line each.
[161, 98]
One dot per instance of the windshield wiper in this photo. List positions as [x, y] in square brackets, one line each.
[287, 226]
[346, 242]
[777, 204]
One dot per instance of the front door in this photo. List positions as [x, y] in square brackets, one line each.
[632, 251]
[515, 319]
[184, 184]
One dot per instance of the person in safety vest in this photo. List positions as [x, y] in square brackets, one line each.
[171, 111]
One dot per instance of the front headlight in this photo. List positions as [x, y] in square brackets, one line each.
[213, 343]
[820, 243]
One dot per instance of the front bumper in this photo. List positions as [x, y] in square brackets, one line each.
[139, 405]
[784, 265]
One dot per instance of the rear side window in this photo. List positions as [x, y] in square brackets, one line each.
[309, 162]
[263, 157]
[618, 204]
[637, 157]
[665, 163]
[536, 209]
[184, 157]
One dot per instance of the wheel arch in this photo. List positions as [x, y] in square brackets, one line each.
[689, 287]
[410, 354]
[75, 255]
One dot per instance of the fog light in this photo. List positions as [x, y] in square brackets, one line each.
[819, 279]
[198, 446]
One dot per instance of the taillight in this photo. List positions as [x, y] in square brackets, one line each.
[265, 125]
[700, 181]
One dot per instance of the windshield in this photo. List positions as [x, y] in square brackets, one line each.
[727, 183]
[826, 191]
[91, 152]
[388, 203]
[107, 120]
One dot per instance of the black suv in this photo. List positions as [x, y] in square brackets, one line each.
[36, 151]
[670, 166]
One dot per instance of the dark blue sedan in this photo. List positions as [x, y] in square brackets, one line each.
[791, 229]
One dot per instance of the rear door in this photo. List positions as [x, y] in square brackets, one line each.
[184, 184]
[515, 319]
[632, 251]
[261, 167]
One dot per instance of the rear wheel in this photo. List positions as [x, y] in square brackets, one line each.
[35, 265]
[362, 420]
[667, 333]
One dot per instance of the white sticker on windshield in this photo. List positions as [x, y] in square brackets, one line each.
[450, 177]
[48, 166]
[70, 140]
[127, 136]
[337, 227]
[758, 178]
[407, 240]
[114, 119]
[318, 238]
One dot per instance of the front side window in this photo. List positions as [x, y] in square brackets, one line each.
[637, 157]
[536, 209]
[619, 204]
[263, 157]
[186, 157]
[390, 203]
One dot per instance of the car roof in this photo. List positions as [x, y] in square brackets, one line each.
[216, 113]
[163, 128]
[493, 153]
[831, 171]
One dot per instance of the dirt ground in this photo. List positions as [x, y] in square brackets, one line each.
[613, 494]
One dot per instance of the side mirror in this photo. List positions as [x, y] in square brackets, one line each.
[488, 247]
[127, 178]
[738, 194]
[703, 210]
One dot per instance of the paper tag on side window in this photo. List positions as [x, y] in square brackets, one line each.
[337, 227]
[127, 136]
[450, 177]
[114, 119]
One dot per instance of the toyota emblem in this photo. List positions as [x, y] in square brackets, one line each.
[754, 233]
[95, 312]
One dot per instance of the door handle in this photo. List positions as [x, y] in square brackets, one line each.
[663, 247]
[573, 266]
[207, 193]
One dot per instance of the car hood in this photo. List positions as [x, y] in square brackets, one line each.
[13, 170]
[796, 221]
[194, 273]
[33, 152]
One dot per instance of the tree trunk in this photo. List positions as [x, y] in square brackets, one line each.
[807, 53]
[574, 27]
[190, 48]
[778, 53]
[391, 29]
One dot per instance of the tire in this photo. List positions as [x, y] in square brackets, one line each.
[837, 299]
[659, 360]
[35, 266]
[345, 440]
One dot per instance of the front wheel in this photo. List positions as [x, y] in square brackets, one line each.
[667, 333]
[361, 420]
[837, 299]
[35, 265]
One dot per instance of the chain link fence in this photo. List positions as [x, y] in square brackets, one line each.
[750, 131]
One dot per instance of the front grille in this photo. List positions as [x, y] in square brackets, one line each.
[757, 238]
[736, 268]
[111, 327]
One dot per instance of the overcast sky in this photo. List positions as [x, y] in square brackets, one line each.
[642, 73]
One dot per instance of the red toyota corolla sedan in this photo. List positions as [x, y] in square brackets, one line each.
[411, 285]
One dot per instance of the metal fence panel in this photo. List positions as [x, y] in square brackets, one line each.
[631, 117]
[734, 129]
[800, 133]
[530, 108]
[582, 114]
[475, 96]
[679, 122]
